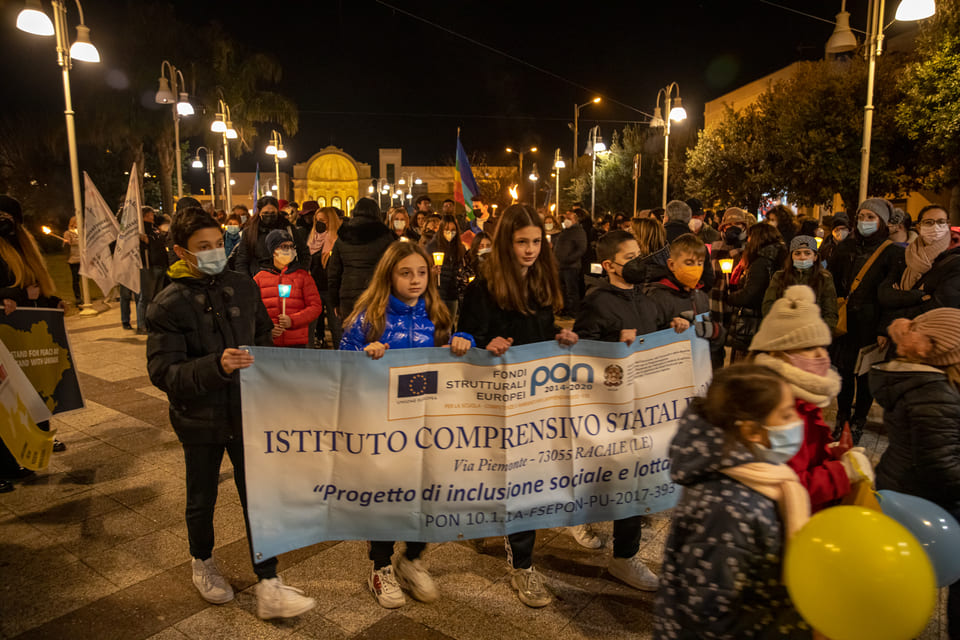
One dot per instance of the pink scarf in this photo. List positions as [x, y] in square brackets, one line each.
[920, 257]
[316, 241]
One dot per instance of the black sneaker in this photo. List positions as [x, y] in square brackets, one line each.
[6, 486]
[58, 445]
[127, 327]
[856, 430]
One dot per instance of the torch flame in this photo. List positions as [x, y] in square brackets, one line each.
[513, 193]
[46, 229]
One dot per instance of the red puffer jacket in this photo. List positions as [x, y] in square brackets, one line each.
[303, 305]
[823, 477]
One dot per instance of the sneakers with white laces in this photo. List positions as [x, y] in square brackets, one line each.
[383, 584]
[531, 587]
[277, 600]
[211, 584]
[414, 578]
[634, 572]
[586, 536]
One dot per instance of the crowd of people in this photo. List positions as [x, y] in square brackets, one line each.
[791, 308]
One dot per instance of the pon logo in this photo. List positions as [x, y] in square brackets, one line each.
[559, 373]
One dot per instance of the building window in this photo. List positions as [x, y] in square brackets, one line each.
[391, 173]
[350, 204]
[336, 202]
[322, 201]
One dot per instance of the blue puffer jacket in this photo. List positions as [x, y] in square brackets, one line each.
[406, 327]
[723, 562]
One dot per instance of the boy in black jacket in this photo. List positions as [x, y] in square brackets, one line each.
[196, 325]
[617, 311]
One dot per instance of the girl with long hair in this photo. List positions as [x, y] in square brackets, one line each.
[513, 302]
[401, 309]
[399, 222]
[748, 284]
[323, 235]
[250, 253]
[447, 242]
[803, 266]
[480, 248]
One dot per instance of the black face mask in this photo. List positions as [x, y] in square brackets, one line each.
[8, 228]
[321, 227]
[733, 235]
[269, 219]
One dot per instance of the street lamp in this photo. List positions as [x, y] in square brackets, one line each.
[223, 125]
[197, 164]
[842, 40]
[167, 94]
[558, 164]
[275, 149]
[576, 127]
[534, 178]
[33, 20]
[596, 147]
[520, 153]
[411, 180]
[674, 113]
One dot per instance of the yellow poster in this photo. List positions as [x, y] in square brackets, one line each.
[21, 408]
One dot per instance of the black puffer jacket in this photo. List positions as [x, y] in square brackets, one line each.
[250, 263]
[607, 310]
[360, 244]
[653, 267]
[189, 324]
[484, 320]
[941, 283]
[921, 414]
[749, 294]
[863, 307]
[451, 266]
[569, 247]
[723, 562]
[675, 229]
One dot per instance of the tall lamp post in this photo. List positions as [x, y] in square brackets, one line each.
[197, 164]
[558, 164]
[534, 178]
[167, 93]
[33, 20]
[275, 149]
[676, 114]
[843, 41]
[576, 128]
[520, 153]
[223, 125]
[596, 146]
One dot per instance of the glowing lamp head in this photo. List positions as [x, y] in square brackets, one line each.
[726, 265]
[438, 258]
[197, 164]
[33, 20]
[284, 290]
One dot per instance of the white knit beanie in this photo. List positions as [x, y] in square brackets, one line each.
[794, 322]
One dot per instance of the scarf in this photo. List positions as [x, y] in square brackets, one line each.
[805, 385]
[920, 257]
[781, 484]
[315, 241]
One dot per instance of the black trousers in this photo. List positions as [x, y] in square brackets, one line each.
[203, 476]
[626, 542]
[75, 280]
[854, 384]
[570, 280]
[380, 552]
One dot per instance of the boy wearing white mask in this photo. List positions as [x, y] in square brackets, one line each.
[288, 292]
[195, 326]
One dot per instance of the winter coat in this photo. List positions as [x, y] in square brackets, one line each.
[863, 307]
[406, 327]
[230, 242]
[569, 247]
[449, 268]
[723, 561]
[749, 294]
[673, 299]
[675, 229]
[941, 283]
[606, 310]
[826, 294]
[249, 264]
[18, 293]
[360, 244]
[921, 416]
[484, 320]
[189, 324]
[824, 478]
[303, 305]
[653, 267]
[708, 234]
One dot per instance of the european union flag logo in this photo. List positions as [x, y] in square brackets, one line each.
[417, 384]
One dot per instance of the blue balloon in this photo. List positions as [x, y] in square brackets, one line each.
[933, 527]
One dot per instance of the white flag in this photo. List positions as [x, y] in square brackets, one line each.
[100, 230]
[126, 257]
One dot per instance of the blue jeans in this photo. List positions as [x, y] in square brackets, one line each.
[126, 295]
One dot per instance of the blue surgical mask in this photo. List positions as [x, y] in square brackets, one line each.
[868, 227]
[785, 442]
[233, 229]
[211, 261]
[803, 265]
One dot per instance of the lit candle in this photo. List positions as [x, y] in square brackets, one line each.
[726, 265]
[438, 258]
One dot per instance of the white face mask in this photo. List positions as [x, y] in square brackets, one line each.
[548, 226]
[934, 233]
[566, 223]
[695, 224]
[285, 256]
[399, 225]
[449, 235]
[484, 251]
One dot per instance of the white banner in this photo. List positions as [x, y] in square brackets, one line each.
[126, 257]
[100, 230]
[421, 445]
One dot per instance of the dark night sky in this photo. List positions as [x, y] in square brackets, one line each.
[364, 76]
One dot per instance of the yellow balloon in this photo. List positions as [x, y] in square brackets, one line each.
[855, 574]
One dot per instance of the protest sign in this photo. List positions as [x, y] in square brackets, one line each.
[20, 411]
[422, 445]
[37, 340]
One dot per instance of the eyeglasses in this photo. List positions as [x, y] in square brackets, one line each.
[930, 223]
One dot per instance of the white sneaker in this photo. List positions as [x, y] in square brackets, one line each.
[414, 578]
[585, 536]
[531, 587]
[277, 600]
[211, 584]
[383, 584]
[634, 572]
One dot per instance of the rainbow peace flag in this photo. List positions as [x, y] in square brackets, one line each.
[464, 185]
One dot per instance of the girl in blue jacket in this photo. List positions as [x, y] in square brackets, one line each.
[400, 309]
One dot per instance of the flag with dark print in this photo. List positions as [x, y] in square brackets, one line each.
[417, 384]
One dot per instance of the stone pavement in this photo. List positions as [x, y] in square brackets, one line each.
[95, 546]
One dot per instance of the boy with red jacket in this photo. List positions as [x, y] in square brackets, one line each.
[288, 292]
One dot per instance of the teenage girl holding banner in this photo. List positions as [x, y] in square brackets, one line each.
[512, 302]
[401, 309]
